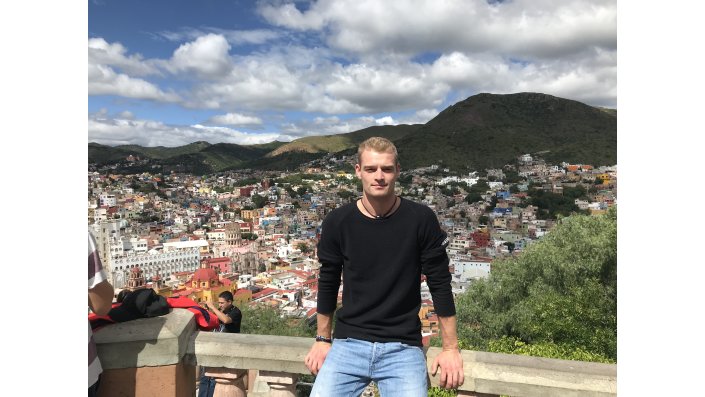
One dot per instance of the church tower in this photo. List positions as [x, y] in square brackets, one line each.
[136, 279]
[232, 235]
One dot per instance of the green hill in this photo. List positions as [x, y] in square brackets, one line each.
[340, 142]
[103, 154]
[218, 157]
[482, 131]
[488, 130]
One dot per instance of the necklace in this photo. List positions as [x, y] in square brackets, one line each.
[385, 214]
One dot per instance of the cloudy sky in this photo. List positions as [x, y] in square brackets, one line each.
[171, 72]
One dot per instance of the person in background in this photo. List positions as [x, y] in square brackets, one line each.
[100, 299]
[228, 314]
[230, 318]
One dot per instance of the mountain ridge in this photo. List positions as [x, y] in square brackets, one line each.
[483, 131]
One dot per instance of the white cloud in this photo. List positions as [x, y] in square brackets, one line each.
[207, 56]
[126, 114]
[237, 37]
[420, 116]
[100, 52]
[386, 120]
[386, 88]
[334, 125]
[236, 119]
[288, 15]
[527, 28]
[283, 78]
[591, 79]
[117, 131]
[401, 61]
[103, 80]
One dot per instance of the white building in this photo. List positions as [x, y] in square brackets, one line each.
[467, 269]
[164, 263]
[526, 158]
[108, 200]
[244, 281]
[460, 243]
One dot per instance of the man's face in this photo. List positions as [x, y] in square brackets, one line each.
[223, 304]
[378, 173]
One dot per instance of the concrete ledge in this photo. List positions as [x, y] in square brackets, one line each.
[244, 351]
[145, 342]
[173, 339]
[515, 375]
[490, 373]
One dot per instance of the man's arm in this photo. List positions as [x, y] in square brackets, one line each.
[315, 357]
[331, 260]
[224, 318]
[449, 360]
[100, 298]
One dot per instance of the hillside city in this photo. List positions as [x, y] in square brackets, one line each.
[255, 232]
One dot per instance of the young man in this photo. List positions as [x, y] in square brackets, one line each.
[230, 318]
[381, 244]
[228, 314]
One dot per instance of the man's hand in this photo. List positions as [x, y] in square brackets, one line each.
[451, 364]
[315, 357]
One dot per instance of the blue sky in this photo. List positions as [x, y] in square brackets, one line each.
[173, 72]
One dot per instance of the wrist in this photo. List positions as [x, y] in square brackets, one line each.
[451, 347]
[321, 338]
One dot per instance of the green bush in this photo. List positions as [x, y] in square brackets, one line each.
[560, 293]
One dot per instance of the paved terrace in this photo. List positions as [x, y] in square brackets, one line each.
[158, 357]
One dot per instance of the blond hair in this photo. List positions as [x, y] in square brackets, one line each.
[379, 145]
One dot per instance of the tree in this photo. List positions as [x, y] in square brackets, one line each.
[560, 293]
[303, 247]
[265, 320]
[345, 194]
[249, 236]
[510, 246]
[258, 200]
[551, 204]
[493, 204]
[473, 197]
[577, 192]
[511, 176]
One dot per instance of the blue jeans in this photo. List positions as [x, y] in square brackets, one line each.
[206, 385]
[397, 368]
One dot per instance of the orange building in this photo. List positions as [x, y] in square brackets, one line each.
[204, 285]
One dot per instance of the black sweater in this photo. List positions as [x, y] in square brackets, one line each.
[381, 261]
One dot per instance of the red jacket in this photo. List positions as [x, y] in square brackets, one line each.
[146, 303]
